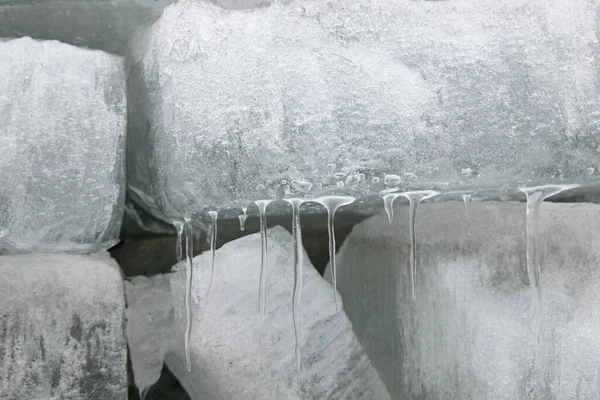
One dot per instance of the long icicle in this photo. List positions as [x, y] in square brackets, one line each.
[415, 198]
[298, 267]
[179, 226]
[213, 249]
[189, 254]
[332, 203]
[262, 290]
[535, 196]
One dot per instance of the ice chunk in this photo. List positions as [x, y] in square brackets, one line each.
[228, 104]
[225, 341]
[62, 328]
[62, 132]
[150, 330]
[470, 333]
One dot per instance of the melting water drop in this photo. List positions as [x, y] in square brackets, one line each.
[415, 198]
[535, 196]
[213, 248]
[262, 291]
[388, 204]
[467, 200]
[332, 203]
[243, 218]
[189, 254]
[298, 264]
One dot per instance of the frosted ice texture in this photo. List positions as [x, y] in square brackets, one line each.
[224, 341]
[62, 132]
[339, 92]
[470, 333]
[62, 328]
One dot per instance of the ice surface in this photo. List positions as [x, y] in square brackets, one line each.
[62, 328]
[150, 330]
[471, 334]
[62, 132]
[227, 104]
[225, 336]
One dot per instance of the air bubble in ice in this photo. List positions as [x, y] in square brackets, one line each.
[392, 180]
[301, 186]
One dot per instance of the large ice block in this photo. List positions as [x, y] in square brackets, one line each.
[224, 345]
[227, 104]
[472, 331]
[62, 132]
[62, 328]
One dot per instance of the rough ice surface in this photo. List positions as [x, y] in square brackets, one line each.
[150, 331]
[62, 328]
[471, 334]
[62, 132]
[226, 104]
[225, 343]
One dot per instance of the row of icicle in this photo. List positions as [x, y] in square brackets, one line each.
[534, 195]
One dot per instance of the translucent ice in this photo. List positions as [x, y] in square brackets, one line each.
[62, 132]
[471, 334]
[224, 345]
[62, 328]
[458, 92]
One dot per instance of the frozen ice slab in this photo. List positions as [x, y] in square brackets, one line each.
[62, 132]
[150, 330]
[229, 106]
[62, 328]
[105, 25]
[225, 332]
[470, 332]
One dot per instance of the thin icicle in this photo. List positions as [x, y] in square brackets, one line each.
[213, 248]
[467, 200]
[189, 254]
[535, 196]
[298, 266]
[242, 217]
[388, 204]
[178, 246]
[262, 291]
[332, 203]
[415, 198]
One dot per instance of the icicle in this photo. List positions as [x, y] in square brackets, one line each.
[189, 254]
[243, 218]
[535, 196]
[262, 291]
[213, 249]
[298, 266]
[178, 248]
[332, 203]
[467, 200]
[388, 204]
[415, 198]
